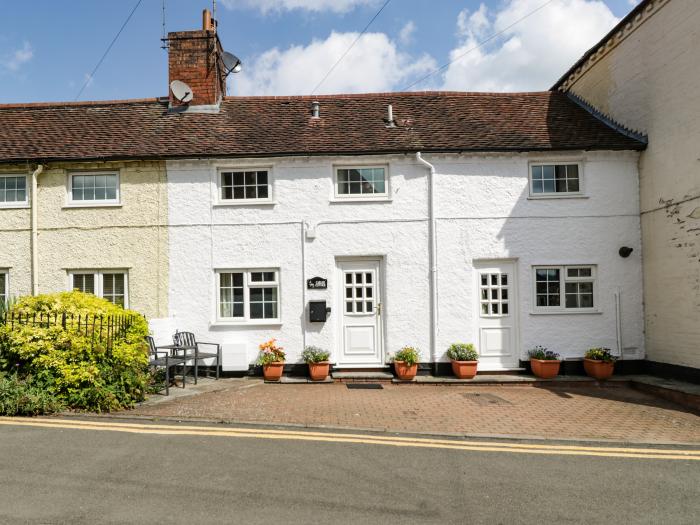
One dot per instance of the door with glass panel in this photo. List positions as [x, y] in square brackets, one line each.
[497, 315]
[360, 338]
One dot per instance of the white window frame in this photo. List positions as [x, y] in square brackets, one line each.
[93, 203]
[359, 197]
[5, 291]
[98, 276]
[247, 285]
[561, 194]
[27, 190]
[245, 201]
[563, 279]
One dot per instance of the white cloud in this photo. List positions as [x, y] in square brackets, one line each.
[374, 64]
[406, 33]
[533, 53]
[15, 59]
[337, 6]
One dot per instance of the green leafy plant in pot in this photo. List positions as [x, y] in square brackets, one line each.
[406, 363]
[544, 363]
[317, 359]
[465, 360]
[599, 363]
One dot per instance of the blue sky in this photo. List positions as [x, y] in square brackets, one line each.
[48, 48]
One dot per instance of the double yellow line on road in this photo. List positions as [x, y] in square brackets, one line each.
[365, 439]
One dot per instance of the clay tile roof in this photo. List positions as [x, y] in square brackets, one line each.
[275, 126]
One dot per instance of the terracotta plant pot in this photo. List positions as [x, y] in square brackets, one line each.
[405, 372]
[273, 371]
[319, 371]
[599, 370]
[545, 368]
[464, 369]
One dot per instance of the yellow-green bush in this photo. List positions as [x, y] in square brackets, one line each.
[74, 367]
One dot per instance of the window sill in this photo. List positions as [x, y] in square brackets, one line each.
[93, 205]
[568, 312]
[243, 203]
[244, 324]
[18, 206]
[355, 200]
[565, 196]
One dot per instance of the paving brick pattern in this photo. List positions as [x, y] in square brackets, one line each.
[616, 413]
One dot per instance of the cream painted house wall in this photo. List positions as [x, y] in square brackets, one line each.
[648, 78]
[131, 236]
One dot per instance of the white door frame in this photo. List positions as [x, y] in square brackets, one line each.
[478, 265]
[339, 303]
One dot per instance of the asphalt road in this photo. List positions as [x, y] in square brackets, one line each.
[71, 475]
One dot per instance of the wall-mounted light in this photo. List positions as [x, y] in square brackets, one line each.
[625, 251]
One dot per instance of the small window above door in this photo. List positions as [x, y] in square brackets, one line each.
[361, 183]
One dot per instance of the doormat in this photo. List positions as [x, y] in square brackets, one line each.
[486, 399]
[364, 386]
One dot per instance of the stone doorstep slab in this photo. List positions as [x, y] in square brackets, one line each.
[503, 379]
[298, 380]
[362, 376]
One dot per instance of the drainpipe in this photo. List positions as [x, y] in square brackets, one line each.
[35, 230]
[433, 263]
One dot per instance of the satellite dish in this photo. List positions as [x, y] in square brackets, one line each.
[231, 62]
[181, 91]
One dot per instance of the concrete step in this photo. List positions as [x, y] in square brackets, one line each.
[381, 374]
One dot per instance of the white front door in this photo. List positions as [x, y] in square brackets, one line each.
[360, 341]
[497, 318]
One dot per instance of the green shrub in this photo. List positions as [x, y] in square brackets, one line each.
[76, 369]
[314, 354]
[462, 352]
[408, 355]
[21, 398]
[600, 354]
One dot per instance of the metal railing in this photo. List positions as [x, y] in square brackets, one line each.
[98, 328]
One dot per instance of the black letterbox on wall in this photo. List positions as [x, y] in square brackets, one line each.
[318, 312]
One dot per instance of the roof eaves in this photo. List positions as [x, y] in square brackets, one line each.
[629, 17]
[609, 121]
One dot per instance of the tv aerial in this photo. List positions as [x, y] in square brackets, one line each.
[181, 91]
[232, 63]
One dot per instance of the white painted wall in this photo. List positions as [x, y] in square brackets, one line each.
[483, 212]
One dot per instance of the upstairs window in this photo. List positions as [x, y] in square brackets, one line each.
[110, 285]
[361, 182]
[13, 190]
[249, 295]
[565, 288]
[245, 186]
[554, 179]
[94, 188]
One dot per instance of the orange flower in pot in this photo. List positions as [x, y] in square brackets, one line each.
[544, 363]
[599, 363]
[272, 360]
[465, 360]
[406, 363]
[317, 359]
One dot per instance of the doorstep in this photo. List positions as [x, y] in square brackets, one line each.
[297, 380]
[362, 375]
[505, 379]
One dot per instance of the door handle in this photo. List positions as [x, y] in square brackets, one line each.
[379, 308]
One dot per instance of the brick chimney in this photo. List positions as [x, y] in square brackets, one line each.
[193, 58]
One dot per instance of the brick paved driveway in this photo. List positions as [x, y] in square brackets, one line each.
[589, 412]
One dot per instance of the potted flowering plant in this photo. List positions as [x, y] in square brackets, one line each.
[599, 363]
[317, 359]
[544, 363]
[272, 360]
[464, 360]
[406, 363]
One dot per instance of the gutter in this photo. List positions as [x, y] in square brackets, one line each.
[35, 229]
[433, 262]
